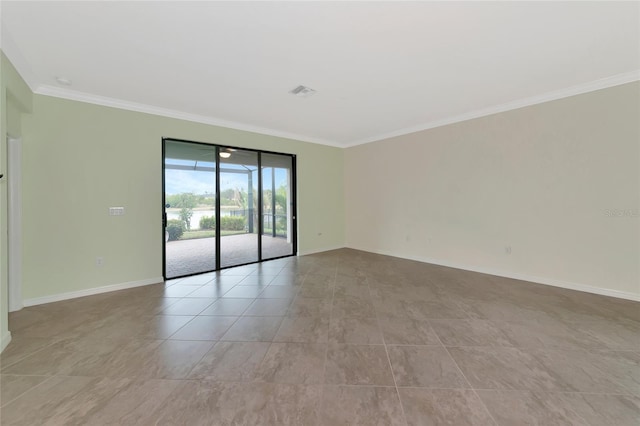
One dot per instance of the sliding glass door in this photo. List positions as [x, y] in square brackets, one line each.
[225, 206]
[277, 205]
[238, 207]
[189, 208]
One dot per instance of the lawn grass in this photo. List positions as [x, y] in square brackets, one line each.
[206, 233]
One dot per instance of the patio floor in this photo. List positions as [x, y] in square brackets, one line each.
[199, 255]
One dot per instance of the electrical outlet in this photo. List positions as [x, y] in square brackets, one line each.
[507, 249]
[99, 261]
[116, 211]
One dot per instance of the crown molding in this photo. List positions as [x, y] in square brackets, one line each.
[616, 80]
[591, 86]
[73, 95]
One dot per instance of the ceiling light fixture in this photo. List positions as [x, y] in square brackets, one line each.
[63, 81]
[302, 91]
[225, 154]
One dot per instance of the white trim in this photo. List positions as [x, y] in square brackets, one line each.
[91, 291]
[5, 340]
[320, 250]
[74, 95]
[14, 198]
[579, 89]
[517, 276]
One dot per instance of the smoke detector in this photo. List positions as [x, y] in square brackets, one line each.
[302, 91]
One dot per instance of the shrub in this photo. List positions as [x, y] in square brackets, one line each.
[232, 223]
[208, 222]
[175, 228]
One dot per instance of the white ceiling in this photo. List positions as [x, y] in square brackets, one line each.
[379, 68]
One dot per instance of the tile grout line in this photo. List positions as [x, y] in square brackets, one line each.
[469, 318]
[386, 351]
[2, 366]
[29, 390]
[215, 343]
[326, 346]
[486, 409]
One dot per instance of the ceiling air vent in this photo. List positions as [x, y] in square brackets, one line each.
[302, 91]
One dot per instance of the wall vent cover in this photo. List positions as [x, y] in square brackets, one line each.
[302, 91]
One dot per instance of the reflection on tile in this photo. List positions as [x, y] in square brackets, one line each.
[244, 292]
[178, 291]
[231, 307]
[279, 292]
[443, 407]
[197, 279]
[359, 405]
[210, 291]
[257, 280]
[358, 365]
[300, 363]
[204, 328]
[425, 366]
[268, 307]
[189, 306]
[231, 361]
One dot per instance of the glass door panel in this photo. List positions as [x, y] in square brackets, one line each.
[238, 207]
[190, 197]
[277, 205]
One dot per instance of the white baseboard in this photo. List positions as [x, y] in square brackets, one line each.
[5, 340]
[90, 291]
[523, 277]
[321, 250]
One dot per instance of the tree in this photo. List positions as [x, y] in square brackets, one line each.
[185, 216]
[187, 201]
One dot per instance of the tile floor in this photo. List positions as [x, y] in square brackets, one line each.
[339, 338]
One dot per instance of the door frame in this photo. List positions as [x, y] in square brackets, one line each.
[14, 222]
[216, 147]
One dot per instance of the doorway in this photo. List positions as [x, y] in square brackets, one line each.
[225, 206]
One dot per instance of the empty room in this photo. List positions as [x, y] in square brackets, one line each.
[319, 213]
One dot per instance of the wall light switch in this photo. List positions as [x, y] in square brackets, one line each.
[116, 211]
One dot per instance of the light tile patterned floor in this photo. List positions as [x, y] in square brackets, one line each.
[338, 338]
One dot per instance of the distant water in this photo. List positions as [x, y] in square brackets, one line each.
[197, 214]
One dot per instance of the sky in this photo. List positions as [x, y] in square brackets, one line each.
[199, 182]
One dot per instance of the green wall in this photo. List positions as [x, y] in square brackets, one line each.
[79, 159]
[15, 98]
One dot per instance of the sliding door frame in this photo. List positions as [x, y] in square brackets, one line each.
[293, 207]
